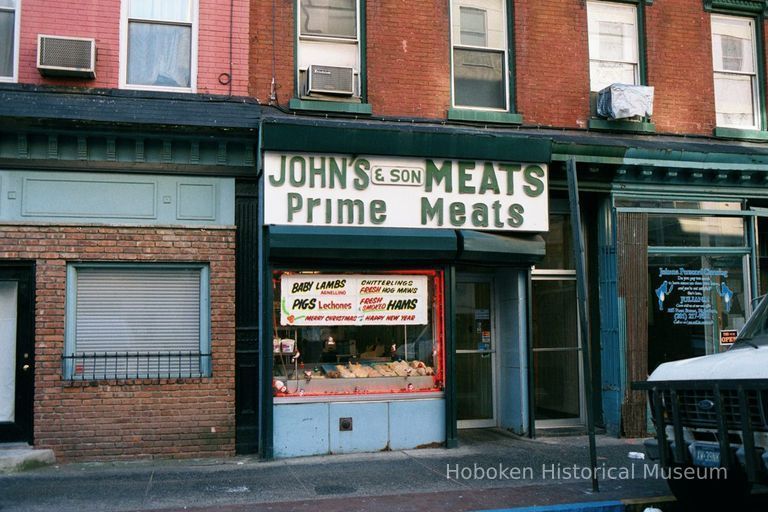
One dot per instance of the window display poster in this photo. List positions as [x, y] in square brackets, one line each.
[325, 299]
[688, 294]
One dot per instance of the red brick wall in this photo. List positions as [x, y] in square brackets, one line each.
[264, 55]
[552, 62]
[128, 418]
[680, 66]
[100, 19]
[409, 61]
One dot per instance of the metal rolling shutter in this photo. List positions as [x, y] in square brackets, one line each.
[137, 322]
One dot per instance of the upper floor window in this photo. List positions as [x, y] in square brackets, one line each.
[9, 39]
[328, 58]
[613, 44]
[734, 63]
[479, 37]
[329, 18]
[159, 44]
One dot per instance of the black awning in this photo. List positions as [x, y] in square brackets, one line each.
[515, 249]
[398, 245]
[335, 243]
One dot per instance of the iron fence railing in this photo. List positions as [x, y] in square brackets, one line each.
[135, 365]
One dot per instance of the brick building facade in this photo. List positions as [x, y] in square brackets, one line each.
[119, 418]
[269, 124]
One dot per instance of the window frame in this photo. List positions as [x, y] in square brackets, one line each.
[757, 82]
[436, 277]
[331, 38]
[507, 60]
[125, 21]
[639, 68]
[70, 312]
[14, 76]
[358, 103]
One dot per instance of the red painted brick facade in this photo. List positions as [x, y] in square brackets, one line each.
[680, 66]
[100, 19]
[266, 57]
[552, 62]
[408, 60]
[109, 420]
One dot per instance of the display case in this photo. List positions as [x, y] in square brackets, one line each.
[357, 334]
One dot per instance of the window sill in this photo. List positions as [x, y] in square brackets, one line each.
[330, 106]
[739, 133]
[484, 116]
[157, 88]
[621, 126]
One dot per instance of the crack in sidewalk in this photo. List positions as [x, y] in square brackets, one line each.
[149, 486]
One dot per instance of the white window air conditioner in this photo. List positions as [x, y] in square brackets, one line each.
[623, 101]
[66, 56]
[330, 80]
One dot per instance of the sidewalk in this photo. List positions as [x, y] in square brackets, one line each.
[489, 470]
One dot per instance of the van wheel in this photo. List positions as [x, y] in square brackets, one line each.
[703, 492]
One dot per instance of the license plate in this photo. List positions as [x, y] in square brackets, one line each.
[707, 456]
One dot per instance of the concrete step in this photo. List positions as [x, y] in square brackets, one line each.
[20, 456]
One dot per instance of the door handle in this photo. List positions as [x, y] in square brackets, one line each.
[25, 367]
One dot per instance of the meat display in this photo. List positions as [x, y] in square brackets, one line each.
[393, 369]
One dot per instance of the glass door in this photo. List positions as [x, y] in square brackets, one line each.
[475, 354]
[557, 369]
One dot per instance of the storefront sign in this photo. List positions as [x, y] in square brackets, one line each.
[343, 190]
[728, 337]
[353, 300]
[694, 290]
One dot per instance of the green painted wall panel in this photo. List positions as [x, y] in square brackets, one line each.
[33, 196]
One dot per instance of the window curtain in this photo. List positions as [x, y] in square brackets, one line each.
[159, 54]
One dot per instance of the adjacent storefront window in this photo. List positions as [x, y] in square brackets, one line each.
[557, 376]
[695, 231]
[698, 276]
[693, 300]
[357, 334]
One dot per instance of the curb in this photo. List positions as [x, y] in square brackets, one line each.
[629, 505]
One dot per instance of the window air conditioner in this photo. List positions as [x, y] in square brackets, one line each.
[66, 56]
[330, 80]
[622, 101]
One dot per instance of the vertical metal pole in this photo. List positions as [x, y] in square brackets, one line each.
[581, 296]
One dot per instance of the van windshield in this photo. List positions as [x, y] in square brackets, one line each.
[755, 332]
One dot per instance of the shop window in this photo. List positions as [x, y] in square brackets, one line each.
[734, 63]
[159, 44]
[559, 244]
[357, 334]
[145, 321]
[695, 231]
[329, 46]
[479, 35]
[613, 44]
[9, 39]
[692, 299]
